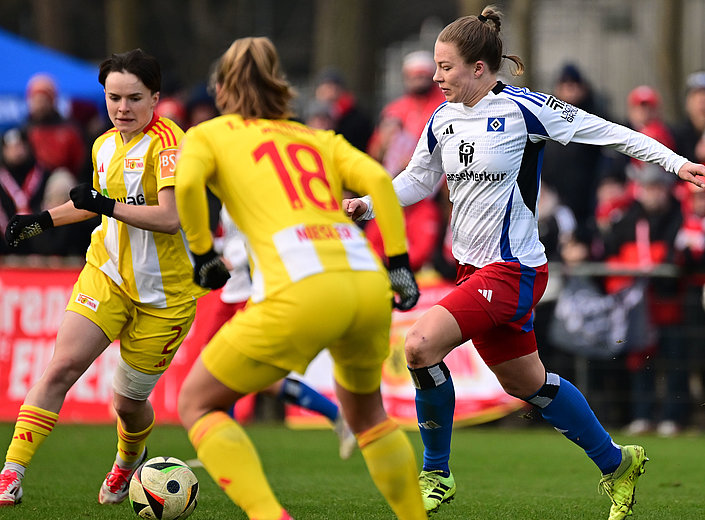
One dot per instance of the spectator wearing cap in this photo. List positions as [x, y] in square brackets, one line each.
[573, 169]
[689, 132]
[644, 115]
[349, 120]
[56, 142]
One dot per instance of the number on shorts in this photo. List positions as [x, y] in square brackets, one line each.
[167, 348]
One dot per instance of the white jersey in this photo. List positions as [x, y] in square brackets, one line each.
[238, 288]
[491, 156]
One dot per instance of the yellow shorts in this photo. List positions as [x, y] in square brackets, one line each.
[347, 312]
[149, 337]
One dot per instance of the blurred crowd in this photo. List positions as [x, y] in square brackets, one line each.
[595, 207]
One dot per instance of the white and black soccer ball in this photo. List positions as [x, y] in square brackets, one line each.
[164, 488]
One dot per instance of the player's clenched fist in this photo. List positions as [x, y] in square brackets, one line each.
[84, 196]
[22, 227]
[354, 208]
[403, 282]
[209, 271]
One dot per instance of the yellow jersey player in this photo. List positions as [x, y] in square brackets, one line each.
[316, 283]
[136, 285]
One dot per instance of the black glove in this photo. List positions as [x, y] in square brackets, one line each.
[85, 197]
[22, 227]
[403, 282]
[209, 270]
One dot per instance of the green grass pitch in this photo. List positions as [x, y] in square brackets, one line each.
[517, 474]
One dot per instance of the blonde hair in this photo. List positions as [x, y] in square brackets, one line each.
[477, 38]
[251, 82]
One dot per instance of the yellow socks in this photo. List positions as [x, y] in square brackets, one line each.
[230, 458]
[131, 445]
[32, 427]
[391, 462]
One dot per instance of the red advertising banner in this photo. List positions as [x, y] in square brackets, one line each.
[32, 303]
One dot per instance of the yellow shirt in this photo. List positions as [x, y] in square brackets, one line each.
[152, 268]
[282, 184]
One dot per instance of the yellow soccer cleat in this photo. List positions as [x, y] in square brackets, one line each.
[436, 489]
[620, 485]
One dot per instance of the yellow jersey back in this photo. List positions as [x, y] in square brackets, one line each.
[282, 183]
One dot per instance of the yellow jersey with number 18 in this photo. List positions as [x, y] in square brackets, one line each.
[152, 268]
[282, 184]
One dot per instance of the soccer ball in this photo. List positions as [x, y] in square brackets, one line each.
[164, 488]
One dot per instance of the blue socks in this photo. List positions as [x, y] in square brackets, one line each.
[565, 407]
[298, 393]
[435, 406]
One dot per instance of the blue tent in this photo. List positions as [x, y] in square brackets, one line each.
[20, 59]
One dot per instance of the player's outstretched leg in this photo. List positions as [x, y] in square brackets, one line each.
[435, 406]
[565, 407]
[620, 485]
[231, 459]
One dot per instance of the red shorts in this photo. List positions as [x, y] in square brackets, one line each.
[494, 307]
[222, 314]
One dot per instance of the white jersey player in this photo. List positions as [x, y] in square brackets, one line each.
[487, 141]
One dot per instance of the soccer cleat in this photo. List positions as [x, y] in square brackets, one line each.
[436, 489]
[10, 488]
[116, 485]
[348, 441]
[620, 485]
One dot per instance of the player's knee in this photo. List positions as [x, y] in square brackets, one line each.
[521, 388]
[513, 388]
[128, 409]
[418, 349]
[190, 405]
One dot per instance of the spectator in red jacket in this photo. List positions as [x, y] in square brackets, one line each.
[412, 110]
[56, 142]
